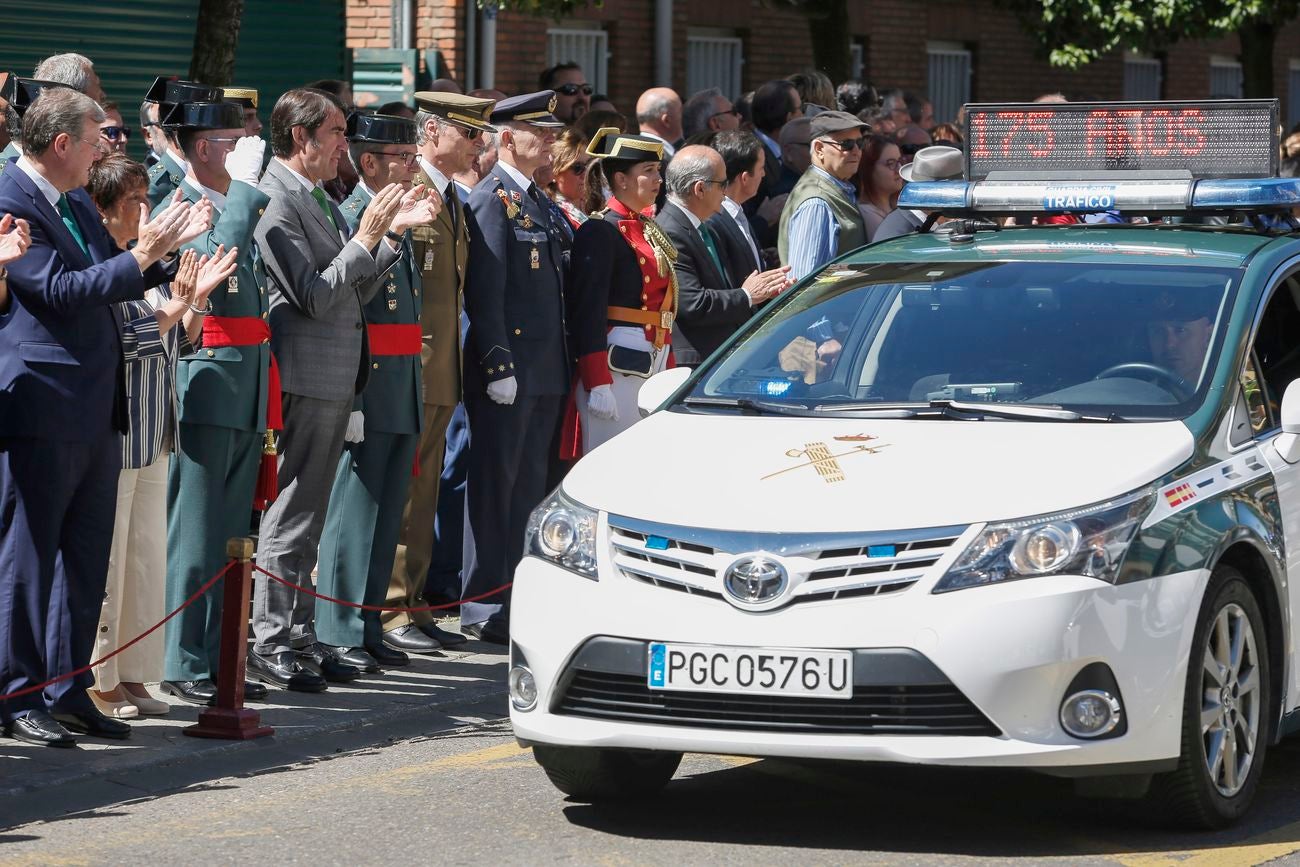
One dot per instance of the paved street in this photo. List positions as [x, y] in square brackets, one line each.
[450, 784]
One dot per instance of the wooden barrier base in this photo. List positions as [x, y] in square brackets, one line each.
[235, 724]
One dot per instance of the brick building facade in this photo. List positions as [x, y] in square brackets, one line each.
[953, 51]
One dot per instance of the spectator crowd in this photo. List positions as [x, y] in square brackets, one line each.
[375, 339]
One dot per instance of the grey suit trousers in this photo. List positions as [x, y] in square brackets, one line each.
[310, 446]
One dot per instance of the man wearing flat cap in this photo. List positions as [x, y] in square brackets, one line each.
[516, 367]
[370, 484]
[224, 393]
[450, 129]
[821, 219]
[166, 174]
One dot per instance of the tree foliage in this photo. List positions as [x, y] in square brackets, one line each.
[540, 8]
[1072, 33]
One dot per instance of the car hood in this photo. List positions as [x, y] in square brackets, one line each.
[769, 474]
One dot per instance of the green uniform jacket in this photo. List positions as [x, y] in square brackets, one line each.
[392, 396]
[226, 386]
[164, 177]
[10, 152]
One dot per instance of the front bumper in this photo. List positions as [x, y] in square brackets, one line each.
[1010, 649]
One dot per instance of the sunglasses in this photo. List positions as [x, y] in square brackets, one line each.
[114, 133]
[579, 168]
[572, 89]
[848, 146]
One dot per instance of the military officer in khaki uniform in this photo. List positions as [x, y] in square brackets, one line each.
[449, 129]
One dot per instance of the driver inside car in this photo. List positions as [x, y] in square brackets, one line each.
[1179, 334]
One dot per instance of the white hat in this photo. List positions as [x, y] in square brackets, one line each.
[935, 163]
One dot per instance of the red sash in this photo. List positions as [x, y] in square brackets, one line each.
[394, 339]
[248, 331]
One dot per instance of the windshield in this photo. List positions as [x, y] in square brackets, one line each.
[1109, 341]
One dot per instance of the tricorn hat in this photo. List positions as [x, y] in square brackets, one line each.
[610, 144]
[203, 115]
[171, 90]
[381, 128]
[245, 96]
[20, 93]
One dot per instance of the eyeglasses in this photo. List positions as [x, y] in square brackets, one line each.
[848, 145]
[113, 133]
[731, 111]
[579, 168]
[572, 89]
[891, 164]
[721, 183]
[223, 138]
[100, 147]
[408, 160]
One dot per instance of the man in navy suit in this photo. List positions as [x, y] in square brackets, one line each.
[61, 413]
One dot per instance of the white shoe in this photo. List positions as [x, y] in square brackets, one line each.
[147, 705]
[115, 709]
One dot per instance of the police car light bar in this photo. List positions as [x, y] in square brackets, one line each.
[1091, 196]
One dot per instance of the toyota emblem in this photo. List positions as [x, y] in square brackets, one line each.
[755, 580]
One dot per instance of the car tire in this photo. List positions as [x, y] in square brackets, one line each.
[590, 774]
[1205, 794]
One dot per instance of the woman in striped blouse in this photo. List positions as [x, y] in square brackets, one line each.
[137, 568]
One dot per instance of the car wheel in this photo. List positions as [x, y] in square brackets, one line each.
[590, 774]
[1227, 721]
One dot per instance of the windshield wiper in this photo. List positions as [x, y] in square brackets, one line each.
[745, 404]
[956, 409]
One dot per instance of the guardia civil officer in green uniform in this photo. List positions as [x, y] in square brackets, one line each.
[225, 391]
[166, 174]
[19, 94]
[359, 540]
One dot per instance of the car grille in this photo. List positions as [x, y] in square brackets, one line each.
[835, 566]
[930, 709]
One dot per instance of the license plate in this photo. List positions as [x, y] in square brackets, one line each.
[751, 670]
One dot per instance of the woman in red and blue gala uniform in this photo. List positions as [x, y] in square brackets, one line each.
[622, 296]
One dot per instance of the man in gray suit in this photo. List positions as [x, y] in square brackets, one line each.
[319, 277]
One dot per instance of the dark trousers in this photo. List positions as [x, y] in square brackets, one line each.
[449, 523]
[57, 506]
[209, 494]
[509, 458]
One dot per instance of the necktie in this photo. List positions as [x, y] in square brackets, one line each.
[65, 211]
[452, 200]
[712, 248]
[319, 195]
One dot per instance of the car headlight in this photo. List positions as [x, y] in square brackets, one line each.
[1091, 541]
[563, 532]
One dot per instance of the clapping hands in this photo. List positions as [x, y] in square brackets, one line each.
[197, 277]
[15, 238]
[160, 235]
[420, 206]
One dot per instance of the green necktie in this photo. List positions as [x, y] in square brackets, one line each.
[65, 211]
[319, 195]
[713, 249]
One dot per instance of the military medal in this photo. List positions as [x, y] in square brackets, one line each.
[392, 303]
[512, 210]
[428, 258]
[527, 222]
[534, 259]
[232, 286]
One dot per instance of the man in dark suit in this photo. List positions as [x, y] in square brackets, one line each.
[775, 104]
[61, 413]
[320, 274]
[746, 163]
[516, 365]
[710, 307]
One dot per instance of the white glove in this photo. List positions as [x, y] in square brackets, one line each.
[601, 403]
[244, 163]
[503, 391]
[356, 431]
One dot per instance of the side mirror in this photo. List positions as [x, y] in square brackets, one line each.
[658, 388]
[1287, 443]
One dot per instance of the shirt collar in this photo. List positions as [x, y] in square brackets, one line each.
[732, 208]
[437, 178]
[695, 221]
[217, 199]
[517, 176]
[843, 185]
[301, 179]
[669, 150]
[769, 141]
[47, 189]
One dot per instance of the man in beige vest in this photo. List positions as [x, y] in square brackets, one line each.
[821, 219]
[450, 131]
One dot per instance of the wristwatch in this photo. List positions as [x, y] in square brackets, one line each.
[394, 237]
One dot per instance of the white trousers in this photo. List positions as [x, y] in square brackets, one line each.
[626, 388]
[137, 579]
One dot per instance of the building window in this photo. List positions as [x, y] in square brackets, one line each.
[589, 48]
[714, 59]
[1293, 92]
[1144, 77]
[857, 60]
[949, 65]
[1225, 78]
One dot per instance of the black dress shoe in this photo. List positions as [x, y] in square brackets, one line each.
[385, 655]
[489, 631]
[37, 727]
[410, 639]
[202, 692]
[254, 691]
[357, 657]
[92, 722]
[322, 659]
[442, 636]
[284, 671]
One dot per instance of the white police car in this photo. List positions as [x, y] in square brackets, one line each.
[1020, 497]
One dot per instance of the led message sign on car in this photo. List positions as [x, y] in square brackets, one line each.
[1209, 139]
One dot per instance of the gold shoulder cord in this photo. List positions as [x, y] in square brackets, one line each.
[665, 256]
